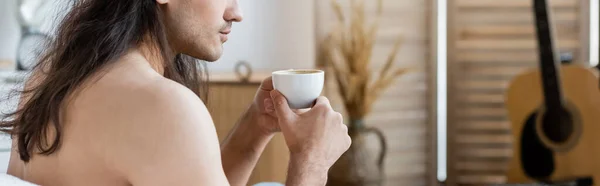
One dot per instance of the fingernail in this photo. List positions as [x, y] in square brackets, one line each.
[269, 105]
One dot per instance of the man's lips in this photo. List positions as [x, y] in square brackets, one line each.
[226, 31]
[224, 34]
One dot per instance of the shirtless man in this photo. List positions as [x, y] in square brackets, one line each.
[116, 100]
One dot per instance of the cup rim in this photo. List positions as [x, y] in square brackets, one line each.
[280, 72]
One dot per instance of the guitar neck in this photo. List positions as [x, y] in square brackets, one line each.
[547, 55]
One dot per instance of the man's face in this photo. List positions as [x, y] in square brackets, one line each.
[199, 28]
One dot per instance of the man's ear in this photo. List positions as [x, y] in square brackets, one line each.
[162, 2]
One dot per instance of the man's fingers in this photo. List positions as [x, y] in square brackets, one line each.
[322, 101]
[301, 111]
[269, 107]
[282, 109]
[267, 84]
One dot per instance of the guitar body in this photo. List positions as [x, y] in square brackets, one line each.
[538, 158]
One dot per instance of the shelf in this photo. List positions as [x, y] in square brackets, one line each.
[230, 77]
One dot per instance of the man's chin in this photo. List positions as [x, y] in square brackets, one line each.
[209, 56]
[214, 57]
[211, 60]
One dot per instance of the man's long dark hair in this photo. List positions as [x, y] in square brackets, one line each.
[94, 34]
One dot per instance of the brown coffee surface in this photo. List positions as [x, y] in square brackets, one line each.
[302, 71]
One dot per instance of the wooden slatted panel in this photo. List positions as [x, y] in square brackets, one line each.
[489, 43]
[402, 113]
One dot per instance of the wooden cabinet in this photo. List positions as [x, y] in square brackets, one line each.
[227, 100]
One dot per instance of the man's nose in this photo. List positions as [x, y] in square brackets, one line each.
[233, 12]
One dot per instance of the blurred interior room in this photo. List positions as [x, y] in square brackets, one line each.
[438, 92]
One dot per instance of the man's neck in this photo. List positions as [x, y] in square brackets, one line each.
[153, 56]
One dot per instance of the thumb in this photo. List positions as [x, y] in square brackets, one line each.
[282, 109]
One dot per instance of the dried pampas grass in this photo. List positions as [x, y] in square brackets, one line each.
[348, 50]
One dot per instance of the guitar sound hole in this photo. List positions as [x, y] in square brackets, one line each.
[537, 160]
[558, 125]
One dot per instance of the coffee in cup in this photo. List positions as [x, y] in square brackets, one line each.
[301, 87]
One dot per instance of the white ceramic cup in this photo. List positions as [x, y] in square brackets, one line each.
[301, 87]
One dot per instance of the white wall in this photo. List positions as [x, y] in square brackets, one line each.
[275, 34]
[9, 30]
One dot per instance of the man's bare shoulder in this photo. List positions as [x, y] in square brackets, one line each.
[133, 90]
[131, 100]
[147, 93]
[147, 122]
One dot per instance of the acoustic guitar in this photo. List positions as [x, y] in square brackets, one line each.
[554, 112]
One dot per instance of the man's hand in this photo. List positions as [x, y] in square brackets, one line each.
[316, 139]
[262, 109]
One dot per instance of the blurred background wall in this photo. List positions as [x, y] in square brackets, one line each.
[273, 35]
